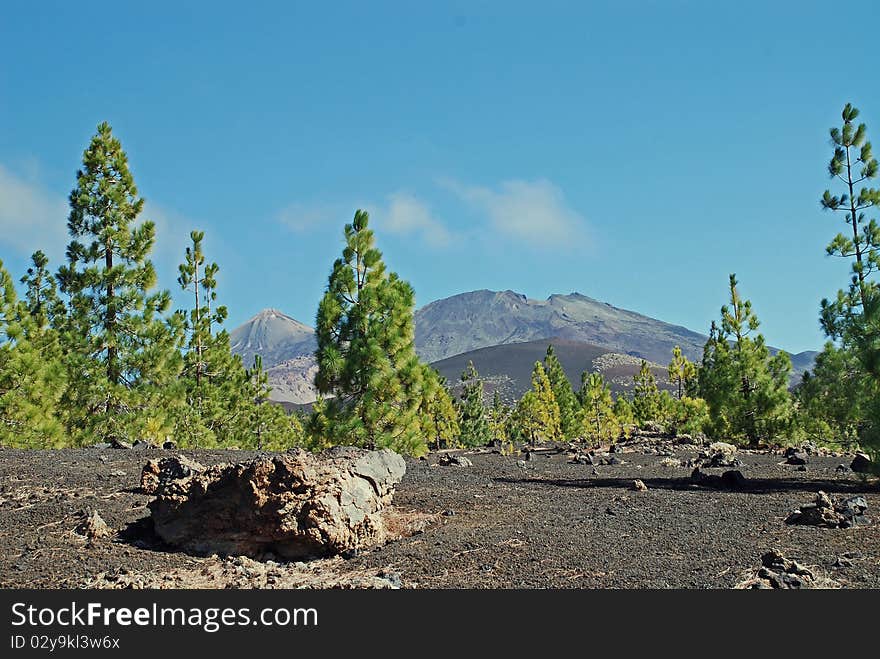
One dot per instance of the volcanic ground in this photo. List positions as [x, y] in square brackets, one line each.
[501, 523]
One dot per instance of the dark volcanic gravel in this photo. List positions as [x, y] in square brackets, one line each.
[500, 524]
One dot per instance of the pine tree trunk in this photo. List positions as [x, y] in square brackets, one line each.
[112, 374]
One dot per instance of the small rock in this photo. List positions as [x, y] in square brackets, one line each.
[92, 526]
[448, 513]
[142, 444]
[796, 458]
[169, 445]
[802, 468]
[119, 444]
[455, 460]
[842, 469]
[861, 464]
[638, 486]
[733, 479]
[118, 473]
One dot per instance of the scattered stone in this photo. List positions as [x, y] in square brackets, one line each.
[779, 572]
[795, 457]
[169, 445]
[92, 526]
[119, 444]
[842, 469]
[615, 448]
[142, 444]
[448, 513]
[733, 479]
[801, 468]
[581, 459]
[685, 439]
[672, 463]
[826, 513]
[157, 473]
[296, 505]
[448, 459]
[719, 454]
[861, 464]
[638, 486]
[118, 473]
[529, 457]
[521, 464]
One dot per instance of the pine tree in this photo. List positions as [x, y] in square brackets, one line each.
[122, 353]
[646, 401]
[564, 394]
[473, 422]
[41, 297]
[499, 420]
[682, 372]
[623, 413]
[853, 164]
[439, 416]
[366, 353]
[746, 389]
[222, 402]
[537, 413]
[597, 416]
[31, 373]
[834, 397]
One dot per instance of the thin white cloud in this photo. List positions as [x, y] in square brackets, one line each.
[31, 217]
[303, 218]
[534, 212]
[405, 214]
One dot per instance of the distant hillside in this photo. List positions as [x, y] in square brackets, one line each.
[274, 336]
[508, 367]
[470, 322]
[484, 318]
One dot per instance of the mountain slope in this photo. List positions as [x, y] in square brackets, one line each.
[508, 368]
[484, 318]
[273, 335]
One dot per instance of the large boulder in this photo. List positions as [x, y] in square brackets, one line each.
[295, 505]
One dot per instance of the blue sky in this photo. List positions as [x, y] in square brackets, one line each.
[635, 151]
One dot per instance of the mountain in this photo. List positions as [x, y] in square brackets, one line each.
[504, 332]
[273, 335]
[484, 318]
[507, 368]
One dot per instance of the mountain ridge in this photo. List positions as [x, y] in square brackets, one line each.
[475, 320]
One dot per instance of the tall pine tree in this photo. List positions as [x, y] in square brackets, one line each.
[123, 354]
[746, 389]
[366, 353]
